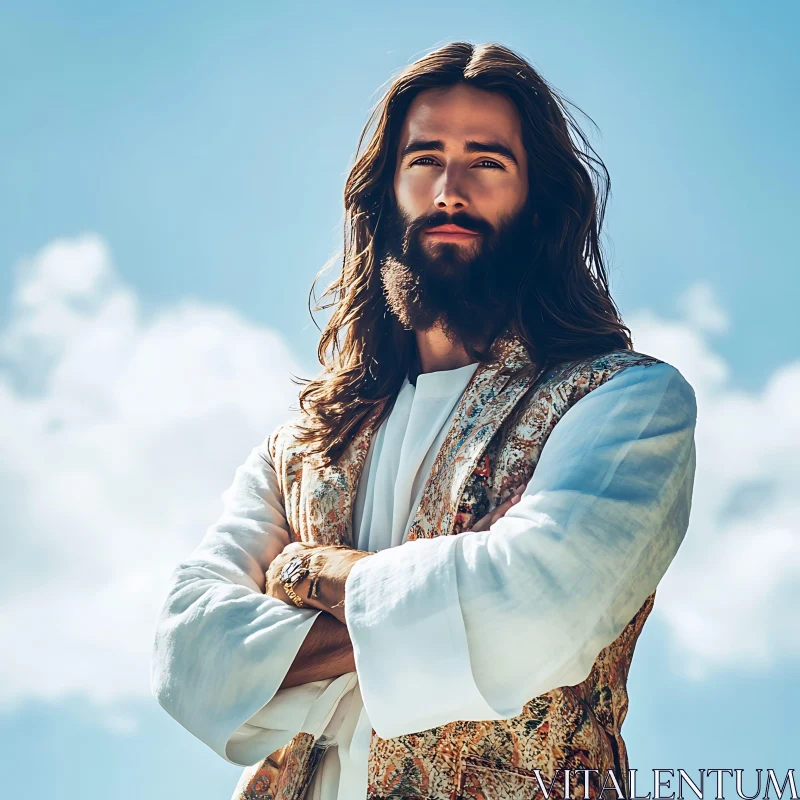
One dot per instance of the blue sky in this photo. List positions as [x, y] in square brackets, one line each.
[171, 182]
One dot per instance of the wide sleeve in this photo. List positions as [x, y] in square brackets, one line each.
[222, 647]
[473, 626]
[314, 708]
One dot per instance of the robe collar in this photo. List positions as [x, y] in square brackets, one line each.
[491, 394]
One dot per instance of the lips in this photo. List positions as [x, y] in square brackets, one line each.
[457, 229]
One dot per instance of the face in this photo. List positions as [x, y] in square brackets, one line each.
[452, 245]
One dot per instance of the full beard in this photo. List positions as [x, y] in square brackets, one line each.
[470, 294]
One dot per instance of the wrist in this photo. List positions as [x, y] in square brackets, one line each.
[311, 596]
[328, 574]
[320, 586]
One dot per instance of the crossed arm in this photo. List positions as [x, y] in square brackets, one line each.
[327, 651]
[569, 565]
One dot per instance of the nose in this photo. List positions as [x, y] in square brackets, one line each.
[450, 192]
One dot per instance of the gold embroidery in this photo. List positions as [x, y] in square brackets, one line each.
[503, 420]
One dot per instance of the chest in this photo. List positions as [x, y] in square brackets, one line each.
[494, 443]
[491, 444]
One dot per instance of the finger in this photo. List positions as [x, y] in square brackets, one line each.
[289, 552]
[489, 519]
[513, 498]
[500, 511]
[497, 513]
[484, 522]
[297, 548]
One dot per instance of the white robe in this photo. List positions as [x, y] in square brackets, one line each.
[570, 564]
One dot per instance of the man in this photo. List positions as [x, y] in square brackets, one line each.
[430, 584]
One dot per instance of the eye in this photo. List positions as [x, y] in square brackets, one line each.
[482, 161]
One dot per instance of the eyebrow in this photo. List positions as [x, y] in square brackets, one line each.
[470, 146]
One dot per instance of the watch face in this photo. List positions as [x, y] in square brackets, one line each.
[293, 570]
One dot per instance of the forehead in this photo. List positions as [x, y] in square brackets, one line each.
[463, 112]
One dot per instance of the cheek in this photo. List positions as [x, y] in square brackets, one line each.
[505, 194]
[414, 193]
[501, 204]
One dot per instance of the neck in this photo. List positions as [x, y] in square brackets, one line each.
[436, 352]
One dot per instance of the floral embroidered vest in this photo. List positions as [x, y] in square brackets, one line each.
[501, 425]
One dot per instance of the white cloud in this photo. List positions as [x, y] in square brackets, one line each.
[119, 433]
[118, 436]
[701, 309]
[729, 597]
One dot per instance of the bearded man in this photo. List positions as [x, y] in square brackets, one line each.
[430, 583]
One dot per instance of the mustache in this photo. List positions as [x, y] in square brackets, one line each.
[460, 218]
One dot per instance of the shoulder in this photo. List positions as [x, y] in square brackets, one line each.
[281, 440]
[618, 375]
[593, 371]
[596, 369]
[635, 380]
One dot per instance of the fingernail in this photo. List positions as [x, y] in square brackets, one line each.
[516, 498]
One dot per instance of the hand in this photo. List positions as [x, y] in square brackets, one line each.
[323, 587]
[486, 521]
[330, 565]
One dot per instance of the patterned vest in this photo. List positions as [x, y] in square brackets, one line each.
[501, 425]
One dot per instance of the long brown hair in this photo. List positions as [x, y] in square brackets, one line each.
[564, 309]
